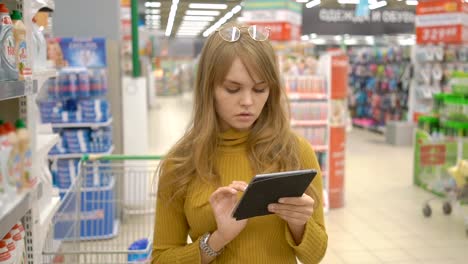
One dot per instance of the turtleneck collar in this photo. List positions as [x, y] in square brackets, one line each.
[233, 139]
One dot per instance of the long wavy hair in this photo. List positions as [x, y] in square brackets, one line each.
[271, 145]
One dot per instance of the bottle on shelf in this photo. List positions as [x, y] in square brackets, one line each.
[19, 33]
[18, 238]
[9, 187]
[8, 69]
[14, 159]
[11, 246]
[24, 148]
[5, 256]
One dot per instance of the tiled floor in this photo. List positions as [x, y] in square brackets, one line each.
[382, 220]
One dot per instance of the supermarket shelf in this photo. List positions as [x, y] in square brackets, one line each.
[309, 122]
[49, 211]
[77, 125]
[13, 89]
[321, 148]
[46, 142]
[307, 96]
[14, 210]
[79, 155]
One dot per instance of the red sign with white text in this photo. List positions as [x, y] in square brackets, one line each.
[339, 76]
[281, 31]
[337, 166]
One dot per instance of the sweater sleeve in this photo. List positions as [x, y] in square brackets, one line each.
[170, 235]
[314, 242]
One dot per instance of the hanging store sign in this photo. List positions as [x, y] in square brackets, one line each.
[442, 21]
[334, 21]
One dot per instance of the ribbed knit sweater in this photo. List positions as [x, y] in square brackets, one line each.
[265, 239]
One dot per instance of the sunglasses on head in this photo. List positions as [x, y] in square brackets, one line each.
[233, 33]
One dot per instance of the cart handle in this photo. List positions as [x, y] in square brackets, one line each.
[90, 157]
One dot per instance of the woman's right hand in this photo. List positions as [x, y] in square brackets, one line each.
[223, 201]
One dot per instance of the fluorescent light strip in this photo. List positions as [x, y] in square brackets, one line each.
[411, 2]
[202, 13]
[152, 11]
[377, 5]
[313, 3]
[198, 18]
[152, 16]
[222, 20]
[170, 20]
[153, 4]
[207, 6]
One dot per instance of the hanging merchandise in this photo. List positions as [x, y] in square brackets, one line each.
[8, 68]
[5, 255]
[379, 80]
[19, 33]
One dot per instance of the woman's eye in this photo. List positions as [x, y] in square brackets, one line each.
[232, 90]
[260, 90]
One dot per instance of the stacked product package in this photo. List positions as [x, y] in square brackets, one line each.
[77, 107]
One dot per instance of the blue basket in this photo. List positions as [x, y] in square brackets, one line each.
[97, 214]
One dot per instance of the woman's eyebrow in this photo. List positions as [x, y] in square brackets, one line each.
[240, 84]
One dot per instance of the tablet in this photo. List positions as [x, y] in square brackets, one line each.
[265, 189]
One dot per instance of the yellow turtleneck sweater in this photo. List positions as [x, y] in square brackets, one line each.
[265, 239]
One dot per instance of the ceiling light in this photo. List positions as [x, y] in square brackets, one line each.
[222, 20]
[153, 4]
[152, 16]
[377, 5]
[198, 18]
[313, 35]
[152, 11]
[302, 1]
[411, 2]
[313, 3]
[338, 37]
[202, 13]
[236, 9]
[370, 40]
[318, 41]
[350, 41]
[208, 6]
[304, 37]
[170, 20]
[348, 2]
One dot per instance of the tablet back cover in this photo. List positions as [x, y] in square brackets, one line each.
[267, 189]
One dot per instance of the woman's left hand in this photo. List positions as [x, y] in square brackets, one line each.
[296, 211]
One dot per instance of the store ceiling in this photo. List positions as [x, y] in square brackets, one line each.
[156, 13]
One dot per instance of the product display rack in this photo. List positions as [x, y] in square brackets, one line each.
[379, 81]
[83, 124]
[35, 206]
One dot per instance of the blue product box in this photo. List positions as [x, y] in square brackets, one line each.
[97, 215]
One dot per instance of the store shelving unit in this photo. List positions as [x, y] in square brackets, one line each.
[79, 155]
[15, 89]
[83, 125]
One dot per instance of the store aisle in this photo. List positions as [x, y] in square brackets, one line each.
[382, 220]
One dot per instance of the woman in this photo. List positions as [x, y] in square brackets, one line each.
[240, 128]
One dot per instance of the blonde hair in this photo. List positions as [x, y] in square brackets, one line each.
[271, 145]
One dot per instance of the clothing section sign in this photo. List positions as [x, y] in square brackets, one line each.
[335, 21]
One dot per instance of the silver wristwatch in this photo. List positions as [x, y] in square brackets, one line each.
[206, 248]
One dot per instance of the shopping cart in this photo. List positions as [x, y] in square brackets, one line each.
[107, 214]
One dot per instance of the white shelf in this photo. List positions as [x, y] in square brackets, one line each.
[45, 142]
[309, 123]
[16, 208]
[82, 125]
[13, 89]
[79, 155]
